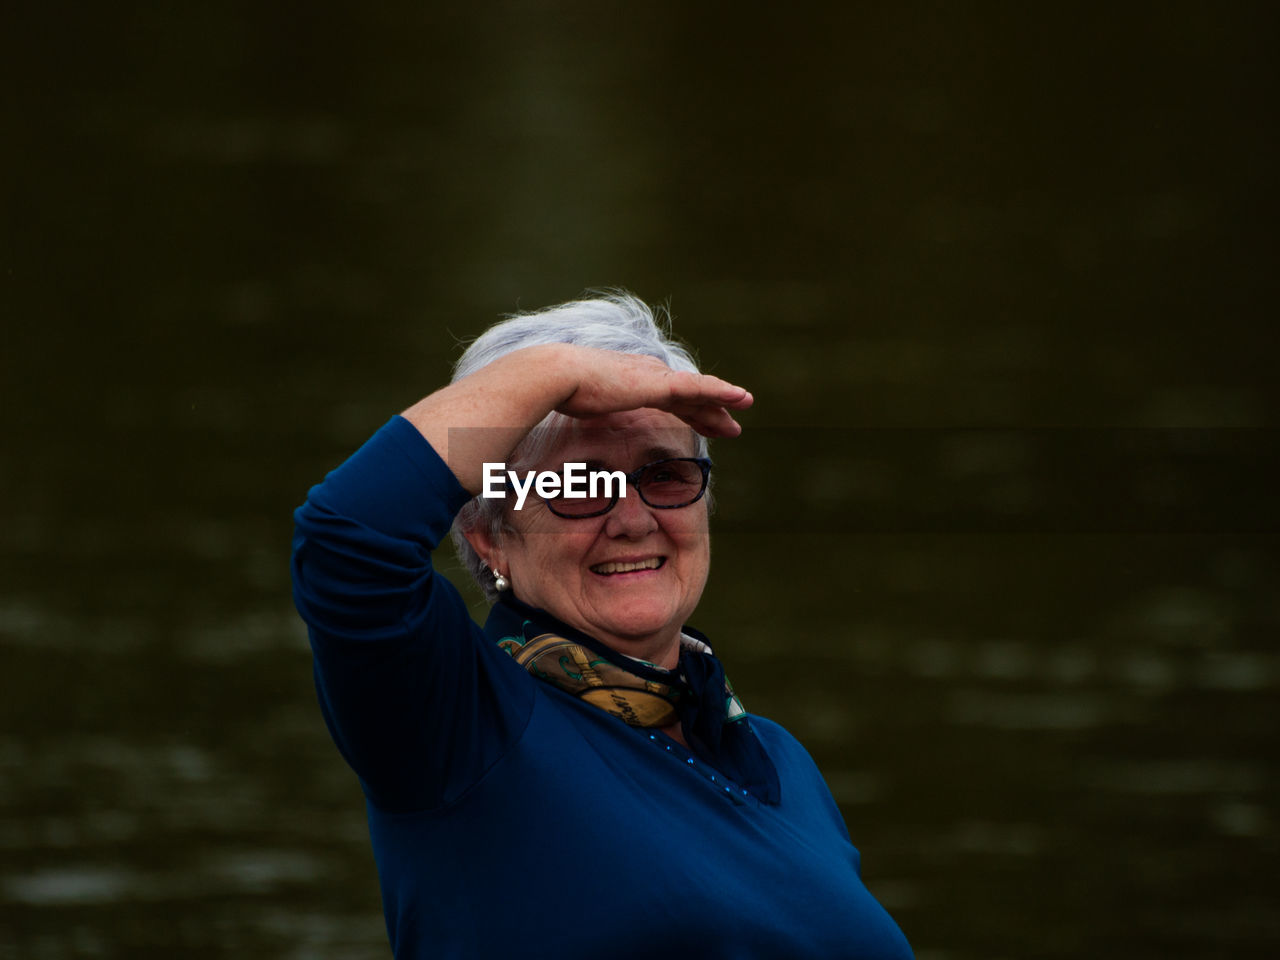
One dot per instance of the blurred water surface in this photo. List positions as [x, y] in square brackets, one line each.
[998, 545]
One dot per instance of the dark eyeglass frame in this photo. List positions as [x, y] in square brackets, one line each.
[633, 478]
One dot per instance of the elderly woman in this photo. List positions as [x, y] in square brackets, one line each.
[576, 779]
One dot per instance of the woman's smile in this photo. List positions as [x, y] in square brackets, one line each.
[615, 568]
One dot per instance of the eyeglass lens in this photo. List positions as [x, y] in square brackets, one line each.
[666, 483]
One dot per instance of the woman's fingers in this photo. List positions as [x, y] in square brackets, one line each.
[704, 401]
[705, 388]
[612, 382]
[708, 420]
[719, 424]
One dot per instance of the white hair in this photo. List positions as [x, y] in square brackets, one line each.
[611, 320]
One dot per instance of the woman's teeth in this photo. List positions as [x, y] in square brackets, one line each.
[607, 568]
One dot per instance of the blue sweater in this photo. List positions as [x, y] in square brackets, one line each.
[510, 819]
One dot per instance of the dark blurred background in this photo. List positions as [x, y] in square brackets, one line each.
[998, 544]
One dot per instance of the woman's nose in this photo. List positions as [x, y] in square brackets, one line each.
[631, 517]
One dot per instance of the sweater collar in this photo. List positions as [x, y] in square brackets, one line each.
[695, 693]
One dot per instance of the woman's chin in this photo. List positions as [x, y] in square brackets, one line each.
[639, 626]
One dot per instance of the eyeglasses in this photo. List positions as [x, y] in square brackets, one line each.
[663, 485]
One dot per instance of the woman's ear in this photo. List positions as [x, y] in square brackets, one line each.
[485, 546]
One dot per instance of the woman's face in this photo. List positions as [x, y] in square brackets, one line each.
[564, 566]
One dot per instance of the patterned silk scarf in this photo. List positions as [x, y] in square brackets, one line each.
[696, 693]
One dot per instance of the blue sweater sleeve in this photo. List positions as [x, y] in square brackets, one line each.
[417, 702]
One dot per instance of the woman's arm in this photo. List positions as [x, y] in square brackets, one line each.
[513, 394]
[399, 666]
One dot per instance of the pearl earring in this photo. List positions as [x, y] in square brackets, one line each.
[500, 583]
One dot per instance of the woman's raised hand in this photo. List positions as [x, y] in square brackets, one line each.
[512, 394]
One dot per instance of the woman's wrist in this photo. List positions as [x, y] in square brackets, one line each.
[482, 417]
